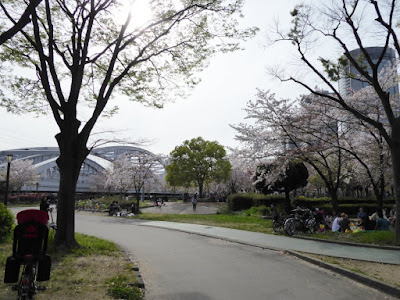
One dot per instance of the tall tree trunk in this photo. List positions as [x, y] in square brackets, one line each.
[334, 196]
[288, 205]
[72, 155]
[395, 152]
[381, 193]
[381, 181]
[137, 202]
[201, 184]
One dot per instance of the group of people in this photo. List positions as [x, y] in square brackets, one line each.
[113, 208]
[158, 202]
[341, 223]
[379, 220]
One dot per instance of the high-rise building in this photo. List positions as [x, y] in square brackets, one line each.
[349, 85]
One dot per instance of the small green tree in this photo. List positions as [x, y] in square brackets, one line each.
[196, 162]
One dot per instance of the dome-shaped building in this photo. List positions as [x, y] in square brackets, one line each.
[44, 160]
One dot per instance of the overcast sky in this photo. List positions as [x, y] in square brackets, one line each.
[227, 84]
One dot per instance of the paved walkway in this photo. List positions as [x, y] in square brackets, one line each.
[203, 208]
[277, 242]
[274, 242]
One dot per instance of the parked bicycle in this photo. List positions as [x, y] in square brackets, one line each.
[302, 221]
[29, 250]
[278, 223]
[27, 284]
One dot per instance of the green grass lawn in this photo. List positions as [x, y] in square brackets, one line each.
[255, 223]
[382, 238]
[234, 221]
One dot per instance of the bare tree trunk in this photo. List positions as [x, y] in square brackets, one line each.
[288, 205]
[137, 202]
[334, 196]
[72, 155]
[395, 152]
[200, 189]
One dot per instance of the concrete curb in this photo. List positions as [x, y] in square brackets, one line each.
[139, 280]
[371, 282]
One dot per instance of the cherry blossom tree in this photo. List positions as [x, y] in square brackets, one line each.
[284, 130]
[119, 177]
[242, 172]
[23, 172]
[133, 172]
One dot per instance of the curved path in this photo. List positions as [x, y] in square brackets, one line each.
[279, 242]
[179, 265]
[182, 208]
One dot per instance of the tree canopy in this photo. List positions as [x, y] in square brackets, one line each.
[272, 177]
[197, 162]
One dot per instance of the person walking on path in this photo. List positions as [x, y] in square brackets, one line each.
[194, 201]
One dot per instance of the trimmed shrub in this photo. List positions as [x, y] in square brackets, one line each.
[311, 202]
[245, 201]
[258, 211]
[6, 222]
[239, 202]
[348, 205]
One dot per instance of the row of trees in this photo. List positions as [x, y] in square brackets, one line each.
[335, 134]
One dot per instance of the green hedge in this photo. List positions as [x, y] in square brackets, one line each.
[245, 201]
[317, 202]
[6, 222]
[348, 205]
[312, 202]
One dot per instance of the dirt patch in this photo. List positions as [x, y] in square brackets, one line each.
[383, 272]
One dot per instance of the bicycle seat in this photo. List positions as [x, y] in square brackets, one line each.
[30, 235]
[33, 215]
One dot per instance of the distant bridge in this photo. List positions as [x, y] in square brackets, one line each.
[44, 159]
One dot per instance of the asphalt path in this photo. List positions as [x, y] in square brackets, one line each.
[182, 208]
[178, 265]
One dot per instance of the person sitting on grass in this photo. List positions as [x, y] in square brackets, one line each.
[381, 222]
[362, 215]
[336, 224]
[344, 223]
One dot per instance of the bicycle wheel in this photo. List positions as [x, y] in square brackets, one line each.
[287, 226]
[296, 227]
[277, 226]
[26, 286]
[311, 226]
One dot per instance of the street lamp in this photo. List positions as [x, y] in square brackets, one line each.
[9, 159]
